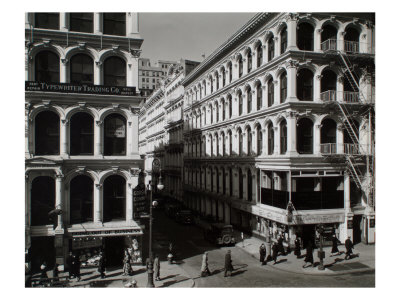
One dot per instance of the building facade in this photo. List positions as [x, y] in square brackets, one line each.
[81, 158]
[279, 128]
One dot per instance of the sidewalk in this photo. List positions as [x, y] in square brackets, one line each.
[172, 275]
[363, 259]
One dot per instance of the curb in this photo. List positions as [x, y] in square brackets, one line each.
[322, 273]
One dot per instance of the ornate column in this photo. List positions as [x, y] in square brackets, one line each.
[59, 202]
[253, 100]
[317, 139]
[64, 21]
[292, 31]
[98, 23]
[63, 70]
[63, 138]
[291, 133]
[291, 68]
[317, 88]
[235, 106]
[340, 88]
[347, 208]
[276, 140]
[340, 45]
[97, 203]
[339, 139]
[317, 40]
[277, 93]
[97, 73]
[97, 138]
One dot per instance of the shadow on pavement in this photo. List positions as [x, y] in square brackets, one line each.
[235, 273]
[168, 277]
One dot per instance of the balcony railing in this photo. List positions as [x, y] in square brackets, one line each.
[330, 148]
[330, 44]
[351, 149]
[328, 96]
[351, 97]
[348, 97]
[351, 46]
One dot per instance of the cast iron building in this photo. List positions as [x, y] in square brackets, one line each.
[279, 127]
[82, 157]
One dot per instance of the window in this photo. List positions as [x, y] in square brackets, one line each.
[81, 22]
[249, 101]
[115, 135]
[305, 129]
[115, 71]
[211, 115]
[230, 107]
[259, 96]
[217, 80]
[211, 146]
[240, 62]
[249, 61]
[271, 139]
[249, 142]
[217, 179]
[249, 186]
[328, 132]
[223, 144]
[43, 192]
[259, 55]
[217, 144]
[283, 87]
[240, 184]
[47, 133]
[259, 140]
[240, 103]
[305, 85]
[271, 48]
[240, 137]
[47, 20]
[47, 67]
[81, 69]
[223, 182]
[211, 84]
[81, 134]
[217, 112]
[305, 37]
[230, 183]
[230, 142]
[283, 40]
[283, 133]
[271, 92]
[230, 73]
[223, 109]
[81, 199]
[114, 23]
[114, 192]
[223, 77]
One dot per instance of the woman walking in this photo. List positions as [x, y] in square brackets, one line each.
[205, 271]
[127, 270]
[263, 253]
[334, 245]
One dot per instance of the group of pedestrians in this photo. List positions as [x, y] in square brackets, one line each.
[228, 267]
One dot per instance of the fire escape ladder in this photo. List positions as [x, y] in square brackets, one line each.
[354, 171]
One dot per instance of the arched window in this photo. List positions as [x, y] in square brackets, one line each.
[270, 87]
[217, 144]
[249, 100]
[229, 107]
[211, 114]
[271, 139]
[115, 135]
[81, 69]
[259, 55]
[223, 144]
[259, 96]
[283, 40]
[240, 137]
[305, 85]
[305, 36]
[328, 136]
[328, 85]
[329, 38]
[43, 195]
[217, 111]
[211, 84]
[240, 99]
[240, 63]
[204, 116]
[200, 91]
[217, 80]
[249, 186]
[114, 191]
[351, 40]
[114, 23]
[305, 129]
[114, 71]
[81, 134]
[223, 77]
[249, 61]
[283, 87]
[259, 140]
[230, 142]
[230, 72]
[47, 133]
[81, 199]
[240, 183]
[81, 22]
[47, 20]
[211, 146]
[47, 67]
[271, 48]
[283, 134]
[249, 142]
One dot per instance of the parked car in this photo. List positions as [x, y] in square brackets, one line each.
[184, 216]
[220, 234]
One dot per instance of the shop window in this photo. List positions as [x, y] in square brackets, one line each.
[283, 87]
[249, 101]
[114, 191]
[305, 79]
[283, 134]
[270, 87]
[271, 48]
[81, 22]
[81, 69]
[249, 61]
[114, 71]
[114, 23]
[81, 199]
[259, 96]
[42, 200]
[305, 37]
[47, 133]
[240, 183]
[81, 134]
[115, 135]
[249, 186]
[259, 55]
[47, 67]
[271, 139]
[283, 40]
[305, 128]
[47, 20]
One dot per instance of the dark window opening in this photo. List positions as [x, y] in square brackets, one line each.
[230, 73]
[82, 134]
[271, 92]
[81, 69]
[305, 37]
[114, 198]
[259, 140]
[42, 201]
[259, 55]
[223, 182]
[230, 142]
[249, 101]
[249, 186]
[47, 133]
[328, 81]
[240, 142]
[115, 135]
[283, 40]
[240, 184]
[305, 85]
[230, 183]
[217, 179]
[283, 87]
[81, 22]
[259, 96]
[249, 61]
[81, 199]
[305, 129]
[283, 129]
[271, 139]
[230, 107]
[47, 67]
[114, 71]
[240, 62]
[328, 131]
[249, 142]
[114, 23]
[271, 48]
[47, 20]
[328, 33]
[240, 104]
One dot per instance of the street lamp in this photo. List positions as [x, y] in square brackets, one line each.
[160, 186]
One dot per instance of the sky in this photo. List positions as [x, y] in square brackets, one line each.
[171, 36]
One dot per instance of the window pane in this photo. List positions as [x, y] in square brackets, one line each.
[47, 20]
[114, 23]
[81, 22]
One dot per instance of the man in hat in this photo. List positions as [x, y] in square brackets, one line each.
[349, 246]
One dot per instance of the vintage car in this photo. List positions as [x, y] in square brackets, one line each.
[220, 234]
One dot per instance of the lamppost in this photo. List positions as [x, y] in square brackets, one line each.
[321, 253]
[160, 186]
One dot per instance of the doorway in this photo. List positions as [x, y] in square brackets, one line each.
[114, 251]
[357, 232]
[308, 235]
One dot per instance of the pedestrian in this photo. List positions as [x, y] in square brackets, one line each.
[228, 264]
[102, 265]
[297, 250]
[127, 269]
[43, 273]
[77, 267]
[349, 246]
[334, 245]
[309, 255]
[204, 265]
[281, 249]
[157, 267]
[275, 249]
[263, 253]
[242, 236]
[69, 265]
[55, 272]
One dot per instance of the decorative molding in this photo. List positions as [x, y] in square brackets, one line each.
[82, 105]
[64, 61]
[46, 103]
[80, 169]
[98, 185]
[99, 122]
[82, 46]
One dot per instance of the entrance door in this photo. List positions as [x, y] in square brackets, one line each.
[42, 250]
[308, 235]
[357, 223]
[114, 251]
